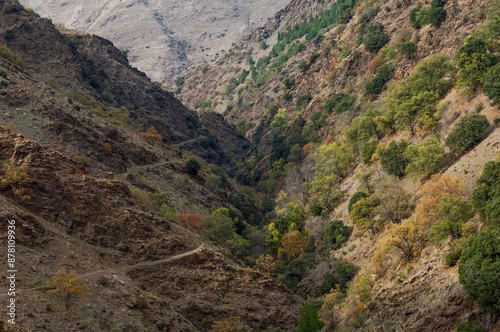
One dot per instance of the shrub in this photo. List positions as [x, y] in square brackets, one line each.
[375, 38]
[287, 97]
[313, 57]
[453, 212]
[473, 326]
[8, 9]
[407, 49]
[340, 102]
[329, 282]
[345, 272]
[367, 150]
[474, 62]
[231, 324]
[496, 122]
[8, 55]
[434, 14]
[288, 83]
[294, 273]
[302, 101]
[316, 209]
[355, 198]
[293, 244]
[384, 74]
[479, 269]
[452, 257]
[467, 132]
[82, 160]
[335, 234]
[192, 166]
[309, 320]
[9, 35]
[303, 66]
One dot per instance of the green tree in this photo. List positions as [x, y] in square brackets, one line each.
[424, 159]
[415, 99]
[335, 234]
[468, 131]
[486, 197]
[355, 198]
[454, 212]
[280, 119]
[392, 158]
[218, 228]
[364, 214]
[472, 326]
[214, 183]
[375, 38]
[345, 272]
[479, 269]
[394, 203]
[329, 282]
[472, 70]
[332, 163]
[309, 320]
[492, 84]
[192, 166]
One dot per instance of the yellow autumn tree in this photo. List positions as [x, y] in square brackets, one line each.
[404, 241]
[231, 324]
[152, 135]
[15, 177]
[68, 287]
[293, 244]
[437, 187]
[266, 263]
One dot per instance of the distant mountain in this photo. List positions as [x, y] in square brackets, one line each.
[163, 38]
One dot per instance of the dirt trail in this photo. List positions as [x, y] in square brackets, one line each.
[83, 276]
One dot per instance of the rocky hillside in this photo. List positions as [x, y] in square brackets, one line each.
[98, 167]
[335, 99]
[162, 38]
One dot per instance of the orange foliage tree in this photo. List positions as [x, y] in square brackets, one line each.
[293, 243]
[190, 221]
[377, 63]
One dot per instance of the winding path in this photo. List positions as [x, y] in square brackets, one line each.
[83, 276]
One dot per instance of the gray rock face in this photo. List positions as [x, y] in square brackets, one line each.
[164, 37]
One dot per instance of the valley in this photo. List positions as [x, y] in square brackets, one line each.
[337, 169]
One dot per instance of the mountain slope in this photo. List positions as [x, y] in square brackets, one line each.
[317, 106]
[101, 146]
[164, 37]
